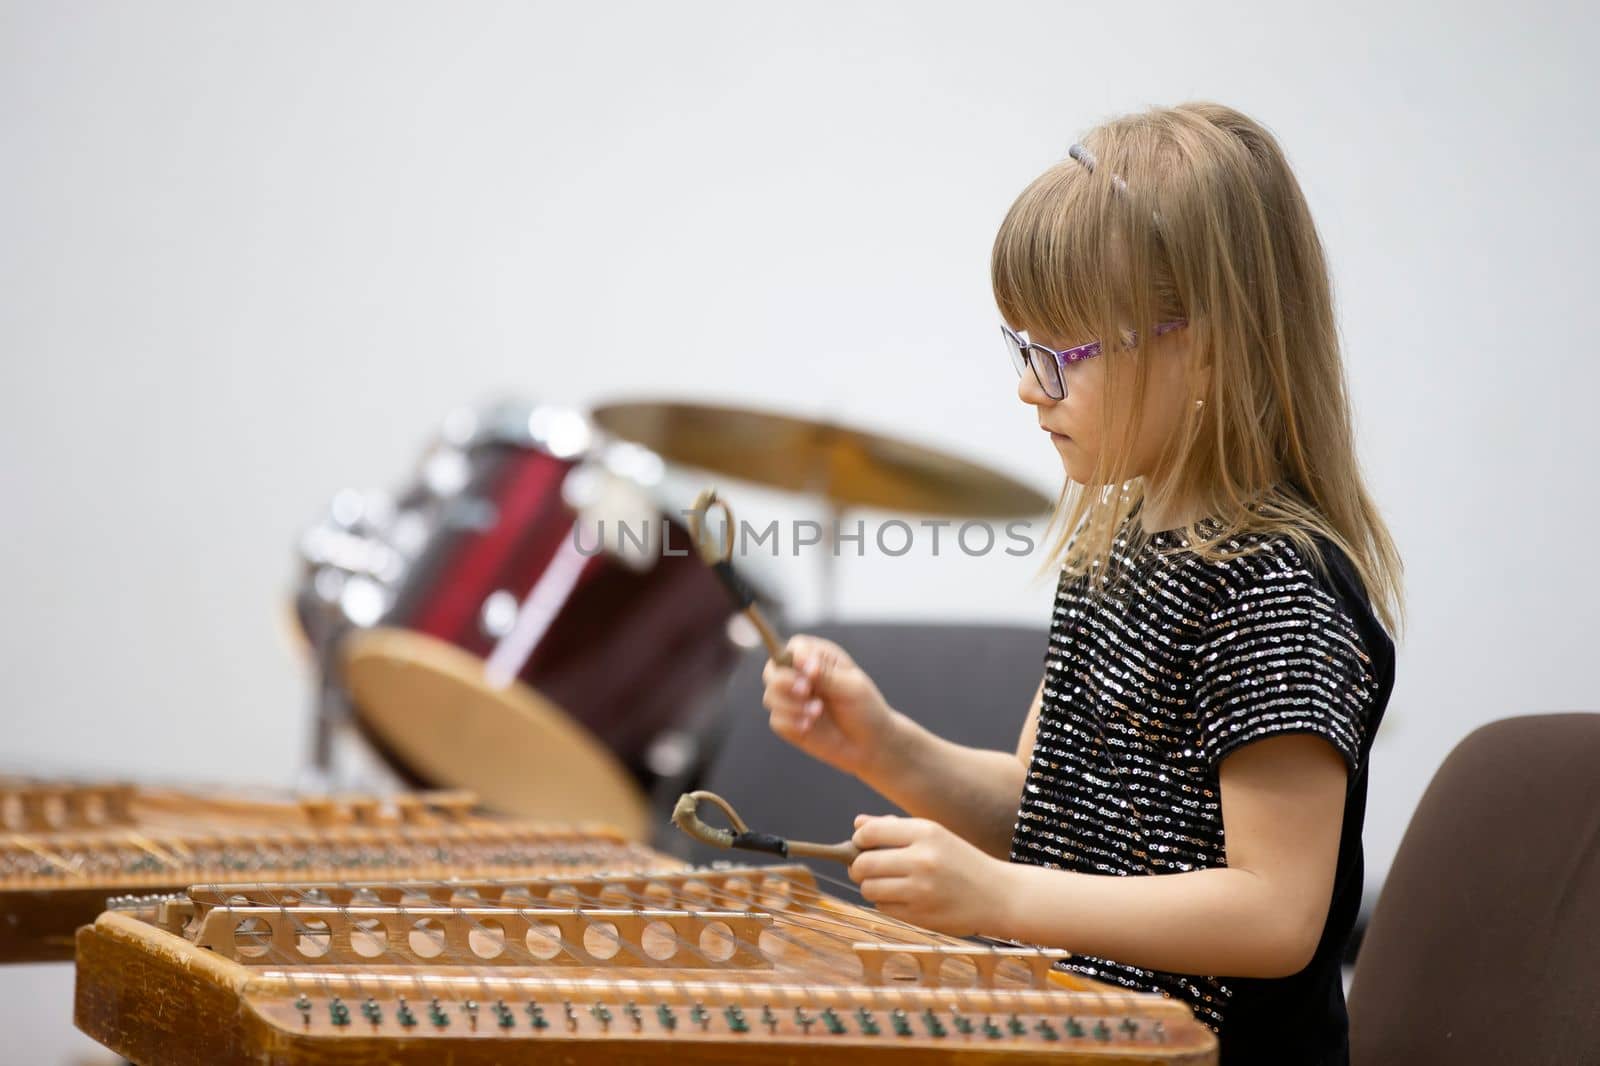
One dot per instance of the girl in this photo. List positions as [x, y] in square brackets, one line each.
[1183, 810]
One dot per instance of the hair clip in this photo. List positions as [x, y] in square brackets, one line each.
[1086, 157]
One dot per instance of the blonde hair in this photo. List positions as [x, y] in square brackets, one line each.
[1192, 212]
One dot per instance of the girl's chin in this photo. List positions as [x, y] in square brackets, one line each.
[1077, 468]
[1066, 468]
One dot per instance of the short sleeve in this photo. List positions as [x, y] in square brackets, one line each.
[1279, 655]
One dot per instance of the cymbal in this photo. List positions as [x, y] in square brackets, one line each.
[849, 467]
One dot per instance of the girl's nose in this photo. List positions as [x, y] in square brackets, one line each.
[1029, 392]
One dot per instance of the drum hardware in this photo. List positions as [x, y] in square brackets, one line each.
[351, 561]
[547, 559]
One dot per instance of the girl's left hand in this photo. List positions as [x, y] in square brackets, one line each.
[920, 872]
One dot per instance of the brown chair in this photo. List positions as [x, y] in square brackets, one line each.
[1484, 946]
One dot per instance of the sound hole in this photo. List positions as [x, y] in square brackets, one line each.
[487, 939]
[616, 896]
[427, 938]
[658, 896]
[697, 895]
[957, 972]
[717, 941]
[775, 894]
[1013, 971]
[369, 938]
[544, 940]
[898, 966]
[659, 940]
[602, 940]
[252, 938]
[313, 938]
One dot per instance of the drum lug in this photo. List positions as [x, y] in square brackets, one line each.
[672, 753]
[498, 614]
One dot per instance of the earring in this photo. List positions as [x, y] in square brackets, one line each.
[1199, 404]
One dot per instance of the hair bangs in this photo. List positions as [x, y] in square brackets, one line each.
[1053, 258]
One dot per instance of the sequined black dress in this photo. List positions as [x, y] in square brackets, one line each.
[1147, 691]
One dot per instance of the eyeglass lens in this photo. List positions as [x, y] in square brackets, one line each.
[1045, 369]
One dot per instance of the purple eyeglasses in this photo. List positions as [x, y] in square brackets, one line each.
[1047, 362]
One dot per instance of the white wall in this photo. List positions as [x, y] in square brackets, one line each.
[250, 254]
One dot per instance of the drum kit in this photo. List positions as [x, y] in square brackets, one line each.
[526, 617]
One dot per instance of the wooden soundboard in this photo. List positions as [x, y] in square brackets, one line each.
[722, 964]
[65, 850]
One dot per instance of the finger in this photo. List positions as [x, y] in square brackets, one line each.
[797, 650]
[791, 718]
[801, 648]
[887, 831]
[882, 862]
[775, 676]
[790, 724]
[812, 655]
[784, 700]
[822, 666]
[887, 890]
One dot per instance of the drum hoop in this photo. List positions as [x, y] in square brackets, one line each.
[446, 662]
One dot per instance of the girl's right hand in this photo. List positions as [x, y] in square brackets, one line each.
[827, 706]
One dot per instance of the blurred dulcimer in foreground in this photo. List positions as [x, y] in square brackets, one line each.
[722, 964]
[66, 849]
